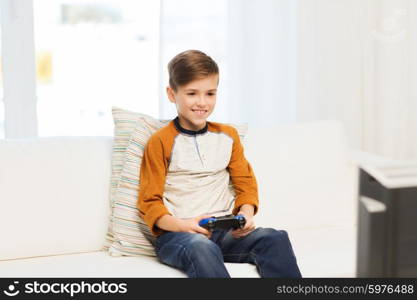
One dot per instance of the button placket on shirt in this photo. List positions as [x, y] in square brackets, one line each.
[197, 144]
[197, 137]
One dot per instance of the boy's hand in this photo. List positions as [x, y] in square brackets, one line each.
[248, 228]
[191, 225]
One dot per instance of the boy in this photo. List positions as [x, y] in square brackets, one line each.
[185, 173]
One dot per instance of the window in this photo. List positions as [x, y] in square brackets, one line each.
[90, 56]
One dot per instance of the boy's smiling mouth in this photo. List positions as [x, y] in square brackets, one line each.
[199, 111]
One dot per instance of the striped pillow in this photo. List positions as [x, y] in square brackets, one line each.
[131, 235]
[124, 124]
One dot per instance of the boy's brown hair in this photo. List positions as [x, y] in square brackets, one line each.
[188, 66]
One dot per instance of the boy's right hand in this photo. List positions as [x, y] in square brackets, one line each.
[191, 225]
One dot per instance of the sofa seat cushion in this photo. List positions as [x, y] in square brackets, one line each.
[325, 251]
[101, 264]
[321, 252]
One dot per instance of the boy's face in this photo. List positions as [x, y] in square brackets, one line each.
[195, 101]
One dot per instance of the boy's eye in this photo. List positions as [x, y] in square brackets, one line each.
[190, 94]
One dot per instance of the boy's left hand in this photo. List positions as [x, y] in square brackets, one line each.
[248, 228]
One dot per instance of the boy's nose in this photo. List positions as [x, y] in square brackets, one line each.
[201, 100]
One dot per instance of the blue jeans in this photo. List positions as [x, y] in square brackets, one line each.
[269, 249]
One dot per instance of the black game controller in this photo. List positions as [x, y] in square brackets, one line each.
[224, 222]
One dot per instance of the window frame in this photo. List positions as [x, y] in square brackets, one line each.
[19, 77]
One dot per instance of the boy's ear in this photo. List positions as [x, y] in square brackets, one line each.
[170, 94]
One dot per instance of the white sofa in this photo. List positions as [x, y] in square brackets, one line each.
[54, 203]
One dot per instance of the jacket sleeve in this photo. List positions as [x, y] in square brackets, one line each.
[152, 181]
[242, 176]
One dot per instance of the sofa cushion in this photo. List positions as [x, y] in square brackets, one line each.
[54, 194]
[303, 176]
[101, 265]
[131, 235]
[321, 252]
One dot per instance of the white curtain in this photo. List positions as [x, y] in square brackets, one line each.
[329, 80]
[389, 38]
[356, 62]
[288, 61]
[261, 62]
